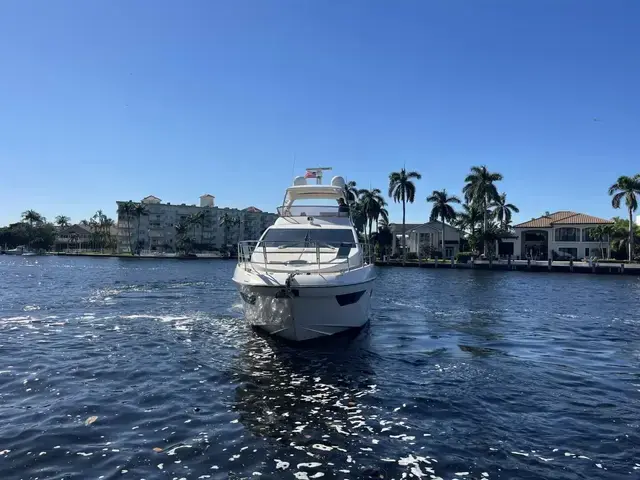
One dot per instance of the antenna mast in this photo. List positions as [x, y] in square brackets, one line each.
[316, 172]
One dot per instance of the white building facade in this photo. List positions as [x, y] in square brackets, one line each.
[561, 235]
[156, 230]
[426, 237]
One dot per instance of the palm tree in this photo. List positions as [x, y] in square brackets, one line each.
[199, 219]
[139, 211]
[97, 225]
[62, 221]
[107, 223]
[126, 213]
[358, 217]
[372, 205]
[490, 236]
[629, 189]
[442, 209]
[74, 239]
[468, 218]
[600, 232]
[351, 193]
[31, 216]
[481, 191]
[502, 210]
[181, 232]
[402, 189]
[226, 222]
[383, 219]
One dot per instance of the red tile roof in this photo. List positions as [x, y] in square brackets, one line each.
[563, 217]
[253, 210]
[582, 218]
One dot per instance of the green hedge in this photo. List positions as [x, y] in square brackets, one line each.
[464, 257]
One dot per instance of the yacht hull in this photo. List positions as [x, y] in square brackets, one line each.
[306, 313]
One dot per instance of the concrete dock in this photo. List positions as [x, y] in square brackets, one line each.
[604, 268]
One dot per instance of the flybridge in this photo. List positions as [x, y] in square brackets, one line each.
[301, 190]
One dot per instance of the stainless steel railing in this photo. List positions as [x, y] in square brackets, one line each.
[304, 256]
[314, 211]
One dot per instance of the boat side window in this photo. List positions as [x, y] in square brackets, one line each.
[298, 237]
[282, 237]
[333, 237]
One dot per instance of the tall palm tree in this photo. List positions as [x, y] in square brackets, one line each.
[107, 223]
[442, 209]
[181, 233]
[372, 204]
[226, 222]
[481, 191]
[96, 223]
[139, 211]
[383, 219]
[201, 219]
[351, 193]
[600, 232]
[358, 217]
[502, 210]
[62, 221]
[402, 189]
[627, 188]
[74, 239]
[31, 216]
[126, 213]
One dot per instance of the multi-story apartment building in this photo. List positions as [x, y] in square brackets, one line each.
[157, 228]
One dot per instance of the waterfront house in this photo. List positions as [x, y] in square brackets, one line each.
[72, 237]
[424, 237]
[561, 235]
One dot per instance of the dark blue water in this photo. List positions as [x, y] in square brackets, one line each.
[462, 374]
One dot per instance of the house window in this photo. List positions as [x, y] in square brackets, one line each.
[586, 252]
[567, 235]
[534, 237]
[568, 252]
[588, 236]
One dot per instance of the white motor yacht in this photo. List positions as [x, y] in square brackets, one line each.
[308, 276]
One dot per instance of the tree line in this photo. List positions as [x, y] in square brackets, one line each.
[484, 216]
[36, 232]
[484, 213]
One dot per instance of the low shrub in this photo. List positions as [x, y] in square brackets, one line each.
[464, 257]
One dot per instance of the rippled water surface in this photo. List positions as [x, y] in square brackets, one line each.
[116, 368]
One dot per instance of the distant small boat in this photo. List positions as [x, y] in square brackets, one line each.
[15, 251]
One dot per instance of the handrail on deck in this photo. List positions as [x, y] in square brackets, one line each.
[314, 211]
[316, 250]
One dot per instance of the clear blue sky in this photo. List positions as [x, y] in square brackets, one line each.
[114, 100]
